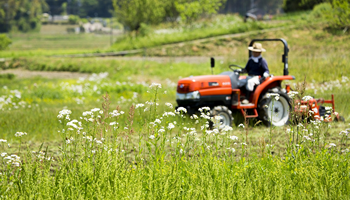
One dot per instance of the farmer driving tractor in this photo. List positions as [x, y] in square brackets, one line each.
[256, 68]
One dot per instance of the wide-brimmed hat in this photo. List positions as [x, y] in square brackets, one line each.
[257, 47]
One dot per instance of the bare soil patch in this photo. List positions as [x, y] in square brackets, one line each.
[22, 73]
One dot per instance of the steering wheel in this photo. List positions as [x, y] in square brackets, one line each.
[236, 68]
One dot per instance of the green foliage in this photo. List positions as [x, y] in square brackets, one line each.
[322, 10]
[73, 19]
[21, 15]
[219, 26]
[7, 76]
[145, 30]
[340, 17]
[133, 13]
[337, 12]
[298, 5]
[4, 41]
[192, 10]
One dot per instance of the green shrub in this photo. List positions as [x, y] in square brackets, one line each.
[73, 19]
[4, 41]
[7, 76]
[322, 10]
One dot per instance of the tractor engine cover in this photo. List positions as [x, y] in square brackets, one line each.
[199, 91]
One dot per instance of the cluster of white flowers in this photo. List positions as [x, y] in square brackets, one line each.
[180, 110]
[232, 137]
[346, 132]
[152, 137]
[292, 94]
[166, 114]
[328, 86]
[64, 114]
[275, 95]
[155, 86]
[12, 100]
[116, 113]
[171, 126]
[169, 105]
[42, 156]
[13, 159]
[307, 98]
[72, 123]
[20, 134]
[140, 105]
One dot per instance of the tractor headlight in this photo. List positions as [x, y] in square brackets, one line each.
[187, 96]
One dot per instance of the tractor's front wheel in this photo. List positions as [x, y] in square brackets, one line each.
[222, 117]
[274, 109]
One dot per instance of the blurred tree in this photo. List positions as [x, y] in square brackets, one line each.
[21, 15]
[190, 10]
[132, 13]
[82, 8]
[8, 9]
[296, 5]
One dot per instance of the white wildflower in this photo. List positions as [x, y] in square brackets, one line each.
[232, 149]
[181, 109]
[181, 151]
[140, 105]
[241, 125]
[152, 137]
[307, 98]
[20, 134]
[155, 85]
[171, 126]
[169, 105]
[332, 145]
[232, 137]
[95, 110]
[112, 123]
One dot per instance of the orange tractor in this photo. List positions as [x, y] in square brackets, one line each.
[222, 94]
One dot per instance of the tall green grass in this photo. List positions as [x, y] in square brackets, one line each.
[123, 155]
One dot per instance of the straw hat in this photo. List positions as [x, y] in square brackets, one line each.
[257, 47]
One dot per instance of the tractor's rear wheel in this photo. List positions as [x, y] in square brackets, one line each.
[222, 117]
[274, 109]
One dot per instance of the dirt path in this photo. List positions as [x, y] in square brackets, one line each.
[167, 59]
[22, 73]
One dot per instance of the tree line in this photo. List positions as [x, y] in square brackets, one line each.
[25, 15]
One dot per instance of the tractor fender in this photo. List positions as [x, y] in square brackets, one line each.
[269, 83]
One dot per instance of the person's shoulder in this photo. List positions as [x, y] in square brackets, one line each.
[263, 60]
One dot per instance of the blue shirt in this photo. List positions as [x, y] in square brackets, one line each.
[257, 69]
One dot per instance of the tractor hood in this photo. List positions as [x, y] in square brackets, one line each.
[197, 83]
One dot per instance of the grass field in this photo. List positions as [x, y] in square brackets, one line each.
[65, 138]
